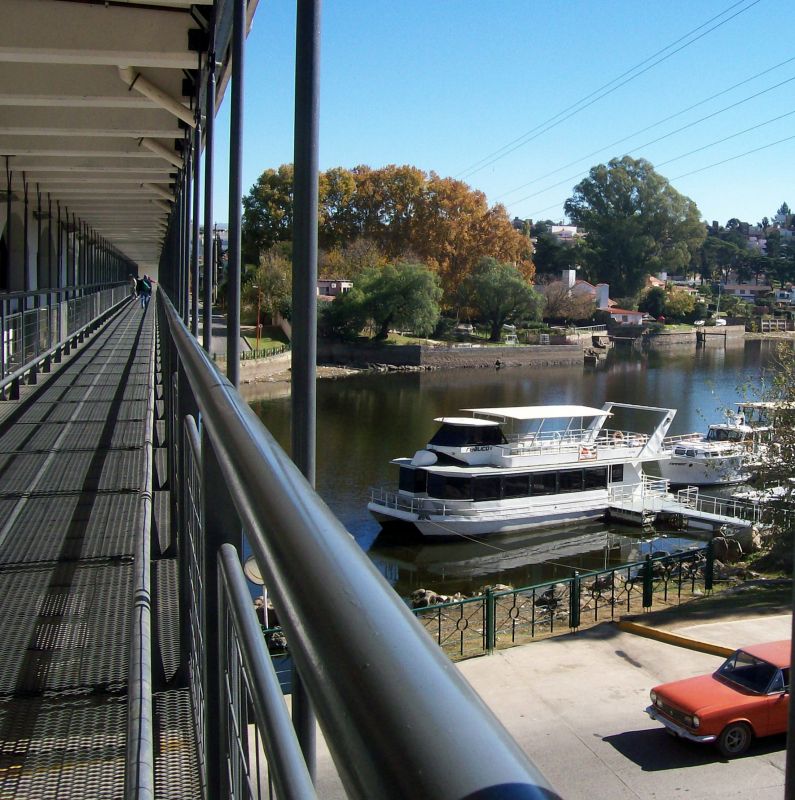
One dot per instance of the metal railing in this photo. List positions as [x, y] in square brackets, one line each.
[39, 327]
[722, 506]
[370, 693]
[499, 619]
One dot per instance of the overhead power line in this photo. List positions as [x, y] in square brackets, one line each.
[667, 135]
[604, 90]
[734, 158]
[560, 203]
[650, 127]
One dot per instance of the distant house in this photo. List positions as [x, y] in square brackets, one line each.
[329, 289]
[622, 316]
[746, 291]
[600, 293]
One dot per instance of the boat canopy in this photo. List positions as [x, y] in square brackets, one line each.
[540, 412]
[469, 422]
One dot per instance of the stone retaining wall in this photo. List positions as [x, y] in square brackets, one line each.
[422, 357]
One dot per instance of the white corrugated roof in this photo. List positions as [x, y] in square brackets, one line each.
[540, 412]
[469, 421]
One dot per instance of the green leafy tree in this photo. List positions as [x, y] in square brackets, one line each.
[653, 302]
[399, 295]
[679, 304]
[636, 223]
[269, 286]
[778, 458]
[268, 212]
[498, 293]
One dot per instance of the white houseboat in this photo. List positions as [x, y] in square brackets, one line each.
[505, 469]
[728, 453]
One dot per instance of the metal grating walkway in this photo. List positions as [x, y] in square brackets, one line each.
[73, 461]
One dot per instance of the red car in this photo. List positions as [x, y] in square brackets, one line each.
[747, 696]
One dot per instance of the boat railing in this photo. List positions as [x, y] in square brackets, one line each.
[423, 507]
[573, 440]
[652, 491]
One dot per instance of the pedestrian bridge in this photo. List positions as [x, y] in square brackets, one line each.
[122, 673]
[132, 473]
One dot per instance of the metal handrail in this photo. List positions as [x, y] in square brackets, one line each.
[139, 778]
[383, 703]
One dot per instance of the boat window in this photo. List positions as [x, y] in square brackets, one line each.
[690, 453]
[412, 480]
[447, 487]
[463, 435]
[544, 483]
[680, 451]
[516, 486]
[487, 488]
[571, 481]
[596, 478]
[617, 473]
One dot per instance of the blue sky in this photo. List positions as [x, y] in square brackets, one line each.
[451, 85]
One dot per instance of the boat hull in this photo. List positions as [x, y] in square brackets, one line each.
[705, 472]
[446, 526]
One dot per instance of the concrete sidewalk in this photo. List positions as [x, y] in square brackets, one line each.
[575, 704]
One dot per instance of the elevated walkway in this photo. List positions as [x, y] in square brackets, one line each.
[74, 458]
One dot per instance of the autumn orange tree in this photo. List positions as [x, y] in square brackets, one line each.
[394, 213]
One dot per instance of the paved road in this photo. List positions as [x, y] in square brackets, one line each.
[575, 704]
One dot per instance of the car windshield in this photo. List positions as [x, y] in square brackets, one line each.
[748, 672]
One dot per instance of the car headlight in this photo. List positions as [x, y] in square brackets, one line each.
[696, 722]
[653, 696]
[688, 722]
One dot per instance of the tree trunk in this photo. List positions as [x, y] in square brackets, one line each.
[496, 329]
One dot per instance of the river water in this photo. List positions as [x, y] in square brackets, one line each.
[365, 420]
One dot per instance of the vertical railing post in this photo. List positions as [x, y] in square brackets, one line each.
[648, 583]
[194, 305]
[221, 525]
[304, 358]
[490, 622]
[574, 602]
[709, 567]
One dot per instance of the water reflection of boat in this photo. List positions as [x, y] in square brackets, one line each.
[509, 551]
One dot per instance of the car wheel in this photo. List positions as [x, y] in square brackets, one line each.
[735, 739]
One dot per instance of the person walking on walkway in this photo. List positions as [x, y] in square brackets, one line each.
[133, 286]
[144, 287]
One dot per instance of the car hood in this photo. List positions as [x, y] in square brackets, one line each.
[697, 695]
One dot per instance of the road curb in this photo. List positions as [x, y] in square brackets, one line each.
[674, 639]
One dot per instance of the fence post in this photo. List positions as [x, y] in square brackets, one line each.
[490, 632]
[648, 584]
[574, 602]
[709, 567]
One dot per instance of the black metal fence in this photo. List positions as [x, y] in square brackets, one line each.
[499, 619]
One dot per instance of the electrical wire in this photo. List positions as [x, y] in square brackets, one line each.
[734, 158]
[667, 135]
[577, 107]
[647, 128]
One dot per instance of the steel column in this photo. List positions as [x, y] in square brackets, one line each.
[186, 232]
[25, 248]
[9, 176]
[209, 135]
[304, 342]
[235, 196]
[197, 146]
